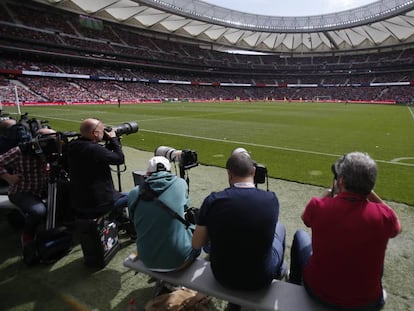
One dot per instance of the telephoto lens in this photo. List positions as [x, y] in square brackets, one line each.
[124, 128]
[168, 152]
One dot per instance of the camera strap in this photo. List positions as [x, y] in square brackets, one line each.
[172, 213]
[147, 194]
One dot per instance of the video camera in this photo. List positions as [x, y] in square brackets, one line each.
[32, 124]
[124, 128]
[42, 145]
[50, 146]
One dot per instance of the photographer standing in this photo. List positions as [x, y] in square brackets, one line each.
[92, 188]
[247, 242]
[342, 265]
[27, 176]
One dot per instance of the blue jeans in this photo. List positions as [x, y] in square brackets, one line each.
[32, 207]
[278, 249]
[299, 255]
[121, 202]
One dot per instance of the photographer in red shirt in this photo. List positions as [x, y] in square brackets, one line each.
[342, 264]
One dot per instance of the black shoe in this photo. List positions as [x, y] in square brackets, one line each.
[129, 228]
[163, 287]
[30, 254]
[233, 307]
[161, 291]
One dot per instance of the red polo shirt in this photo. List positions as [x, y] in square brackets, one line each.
[349, 239]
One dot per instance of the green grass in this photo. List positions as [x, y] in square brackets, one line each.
[296, 141]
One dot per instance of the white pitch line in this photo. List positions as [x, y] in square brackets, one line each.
[411, 111]
[161, 119]
[267, 146]
[197, 115]
[244, 143]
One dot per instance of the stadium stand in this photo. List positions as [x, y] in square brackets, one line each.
[125, 56]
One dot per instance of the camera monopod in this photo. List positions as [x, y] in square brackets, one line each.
[118, 174]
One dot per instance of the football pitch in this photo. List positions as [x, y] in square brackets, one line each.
[295, 141]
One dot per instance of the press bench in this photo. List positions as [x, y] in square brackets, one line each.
[5, 202]
[278, 296]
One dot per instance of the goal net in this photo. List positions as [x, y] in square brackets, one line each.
[9, 100]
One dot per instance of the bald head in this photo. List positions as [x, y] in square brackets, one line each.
[45, 131]
[92, 129]
[88, 125]
[7, 123]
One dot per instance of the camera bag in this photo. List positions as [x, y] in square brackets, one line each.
[48, 246]
[99, 241]
[53, 244]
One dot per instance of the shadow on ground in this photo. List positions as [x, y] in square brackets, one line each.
[70, 285]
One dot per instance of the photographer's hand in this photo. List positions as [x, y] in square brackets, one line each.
[110, 134]
[10, 178]
[327, 193]
[331, 192]
[373, 197]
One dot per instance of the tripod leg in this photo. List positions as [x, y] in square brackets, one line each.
[51, 205]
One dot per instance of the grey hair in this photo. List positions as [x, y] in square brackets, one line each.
[359, 172]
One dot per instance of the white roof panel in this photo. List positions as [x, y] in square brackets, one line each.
[380, 24]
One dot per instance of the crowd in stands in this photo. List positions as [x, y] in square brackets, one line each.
[118, 51]
[70, 91]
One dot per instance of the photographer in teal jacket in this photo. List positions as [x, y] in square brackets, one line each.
[163, 242]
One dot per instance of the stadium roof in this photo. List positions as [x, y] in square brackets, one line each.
[380, 24]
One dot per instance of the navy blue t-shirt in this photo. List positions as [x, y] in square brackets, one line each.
[241, 224]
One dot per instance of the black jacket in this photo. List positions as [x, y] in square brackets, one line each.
[92, 187]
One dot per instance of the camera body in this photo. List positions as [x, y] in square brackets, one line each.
[124, 128]
[186, 158]
[260, 174]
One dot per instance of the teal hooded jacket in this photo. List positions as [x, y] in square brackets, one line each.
[163, 242]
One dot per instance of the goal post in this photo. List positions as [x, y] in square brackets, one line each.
[9, 99]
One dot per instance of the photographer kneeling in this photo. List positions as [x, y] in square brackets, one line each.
[92, 188]
[163, 242]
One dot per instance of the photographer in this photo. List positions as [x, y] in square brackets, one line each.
[27, 176]
[7, 142]
[92, 188]
[241, 223]
[163, 242]
[342, 265]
